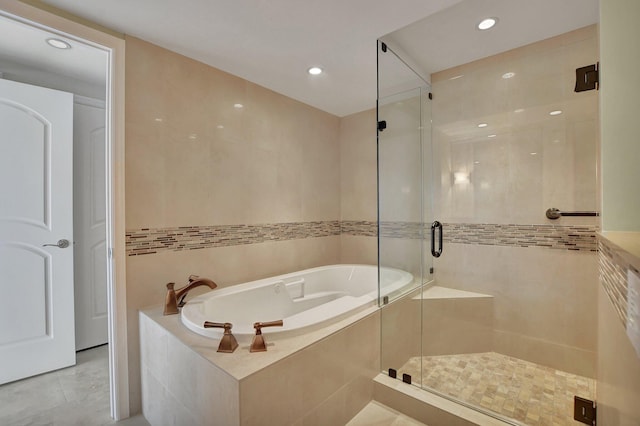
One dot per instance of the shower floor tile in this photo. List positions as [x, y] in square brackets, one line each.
[529, 393]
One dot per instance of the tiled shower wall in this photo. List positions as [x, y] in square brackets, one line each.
[496, 182]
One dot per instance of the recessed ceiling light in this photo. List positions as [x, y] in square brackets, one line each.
[492, 136]
[481, 125]
[58, 44]
[508, 75]
[238, 106]
[193, 136]
[487, 23]
[314, 70]
[158, 119]
[476, 162]
[533, 153]
[219, 126]
[519, 110]
[556, 112]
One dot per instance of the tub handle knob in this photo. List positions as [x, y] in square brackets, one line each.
[258, 344]
[228, 343]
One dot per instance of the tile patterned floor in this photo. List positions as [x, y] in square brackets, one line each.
[76, 395]
[529, 393]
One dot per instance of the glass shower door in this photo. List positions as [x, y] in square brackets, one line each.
[404, 255]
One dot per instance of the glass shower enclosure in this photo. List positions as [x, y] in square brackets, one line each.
[503, 321]
[404, 204]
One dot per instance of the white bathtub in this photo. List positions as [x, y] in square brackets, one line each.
[305, 299]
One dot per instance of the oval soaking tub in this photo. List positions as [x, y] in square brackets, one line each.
[309, 298]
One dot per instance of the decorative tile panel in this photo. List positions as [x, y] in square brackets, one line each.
[613, 276]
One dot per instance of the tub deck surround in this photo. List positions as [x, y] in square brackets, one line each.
[322, 375]
[241, 363]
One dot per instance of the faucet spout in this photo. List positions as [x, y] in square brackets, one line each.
[175, 298]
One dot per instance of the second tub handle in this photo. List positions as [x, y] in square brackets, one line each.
[434, 226]
[258, 344]
[259, 325]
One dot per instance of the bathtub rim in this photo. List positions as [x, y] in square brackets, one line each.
[190, 314]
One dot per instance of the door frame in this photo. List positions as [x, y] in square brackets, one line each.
[114, 130]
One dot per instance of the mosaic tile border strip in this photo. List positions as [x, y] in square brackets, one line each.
[149, 241]
[578, 238]
[412, 230]
[613, 276]
[359, 228]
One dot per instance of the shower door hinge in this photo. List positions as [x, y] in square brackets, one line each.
[431, 270]
[584, 410]
[430, 95]
[588, 78]
[383, 45]
[382, 125]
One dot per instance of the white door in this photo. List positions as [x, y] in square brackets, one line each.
[36, 278]
[89, 225]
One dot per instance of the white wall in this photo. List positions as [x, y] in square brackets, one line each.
[620, 105]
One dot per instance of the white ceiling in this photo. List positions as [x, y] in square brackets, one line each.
[449, 38]
[271, 42]
[23, 49]
[274, 42]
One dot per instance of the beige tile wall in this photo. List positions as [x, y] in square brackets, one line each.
[544, 300]
[275, 160]
[194, 159]
[358, 167]
[358, 187]
[534, 161]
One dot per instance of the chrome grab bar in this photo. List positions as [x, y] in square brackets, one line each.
[554, 213]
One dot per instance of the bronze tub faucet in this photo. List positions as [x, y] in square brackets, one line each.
[175, 298]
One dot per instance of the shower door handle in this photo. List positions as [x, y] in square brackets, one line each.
[436, 226]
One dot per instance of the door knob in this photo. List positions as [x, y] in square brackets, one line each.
[59, 244]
